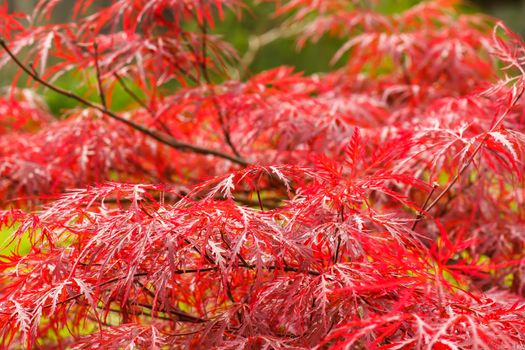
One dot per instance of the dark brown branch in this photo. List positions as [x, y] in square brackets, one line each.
[205, 74]
[260, 200]
[285, 269]
[420, 213]
[160, 137]
[99, 77]
[270, 203]
[141, 313]
[134, 312]
[228, 245]
[251, 267]
[181, 316]
[246, 265]
[342, 218]
[211, 261]
[78, 295]
[132, 94]
[141, 103]
[474, 153]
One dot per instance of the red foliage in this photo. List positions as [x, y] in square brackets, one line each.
[379, 206]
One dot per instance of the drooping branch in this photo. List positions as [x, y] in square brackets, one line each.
[160, 137]
[204, 68]
[470, 159]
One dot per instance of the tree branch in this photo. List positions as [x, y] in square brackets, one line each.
[99, 77]
[205, 74]
[141, 103]
[420, 214]
[160, 137]
[471, 158]
[132, 94]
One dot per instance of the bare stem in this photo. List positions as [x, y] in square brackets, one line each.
[342, 217]
[260, 200]
[420, 213]
[141, 103]
[99, 78]
[205, 74]
[132, 94]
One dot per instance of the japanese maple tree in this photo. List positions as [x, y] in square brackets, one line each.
[377, 206]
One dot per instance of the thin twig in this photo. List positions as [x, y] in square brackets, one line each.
[228, 245]
[134, 312]
[132, 94]
[474, 153]
[137, 99]
[260, 200]
[78, 295]
[204, 68]
[99, 78]
[160, 137]
[342, 217]
[420, 213]
[181, 315]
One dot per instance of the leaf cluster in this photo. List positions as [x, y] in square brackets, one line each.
[378, 206]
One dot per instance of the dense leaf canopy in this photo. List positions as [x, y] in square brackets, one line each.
[377, 206]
